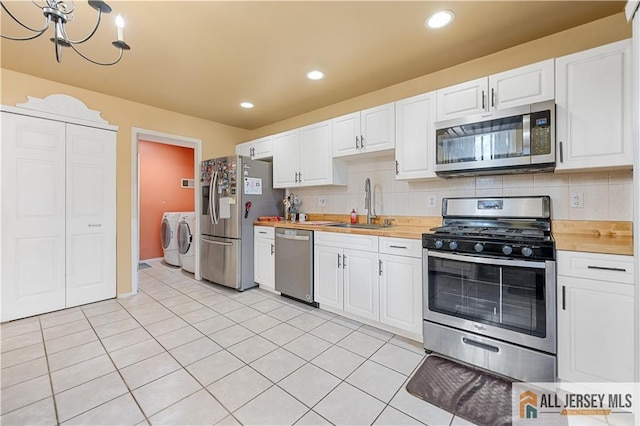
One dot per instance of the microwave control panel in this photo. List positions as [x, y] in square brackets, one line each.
[540, 132]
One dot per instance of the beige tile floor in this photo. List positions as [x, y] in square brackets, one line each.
[184, 352]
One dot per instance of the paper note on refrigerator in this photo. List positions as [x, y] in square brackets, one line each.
[225, 208]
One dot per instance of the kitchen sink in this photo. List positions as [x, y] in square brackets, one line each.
[360, 226]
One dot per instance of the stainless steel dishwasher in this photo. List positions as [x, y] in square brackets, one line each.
[294, 264]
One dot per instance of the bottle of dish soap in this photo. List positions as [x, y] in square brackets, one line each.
[354, 216]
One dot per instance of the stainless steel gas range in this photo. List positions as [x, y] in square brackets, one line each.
[489, 285]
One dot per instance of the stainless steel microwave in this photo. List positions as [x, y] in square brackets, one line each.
[513, 140]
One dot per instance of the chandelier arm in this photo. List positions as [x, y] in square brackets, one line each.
[40, 31]
[95, 28]
[98, 63]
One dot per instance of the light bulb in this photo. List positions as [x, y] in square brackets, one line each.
[439, 19]
[120, 25]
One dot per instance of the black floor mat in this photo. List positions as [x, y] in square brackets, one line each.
[474, 395]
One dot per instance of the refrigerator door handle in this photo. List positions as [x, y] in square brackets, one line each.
[213, 198]
[219, 243]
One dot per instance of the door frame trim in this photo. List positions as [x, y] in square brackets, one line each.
[138, 134]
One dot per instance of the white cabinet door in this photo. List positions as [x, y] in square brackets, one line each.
[468, 98]
[377, 127]
[286, 159]
[595, 331]
[262, 148]
[91, 215]
[345, 131]
[263, 258]
[401, 292]
[361, 283]
[244, 149]
[593, 104]
[328, 276]
[522, 86]
[415, 134]
[315, 160]
[33, 216]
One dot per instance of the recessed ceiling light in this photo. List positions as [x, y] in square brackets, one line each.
[246, 105]
[315, 75]
[439, 19]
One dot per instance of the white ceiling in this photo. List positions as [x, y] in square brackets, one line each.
[202, 58]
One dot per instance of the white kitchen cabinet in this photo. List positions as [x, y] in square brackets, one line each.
[593, 108]
[520, 86]
[370, 130]
[58, 207]
[346, 273]
[302, 157]
[415, 137]
[595, 317]
[263, 257]
[259, 149]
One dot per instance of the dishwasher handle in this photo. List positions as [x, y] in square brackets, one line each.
[293, 237]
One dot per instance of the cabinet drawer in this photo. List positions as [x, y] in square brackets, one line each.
[263, 232]
[349, 241]
[401, 246]
[602, 267]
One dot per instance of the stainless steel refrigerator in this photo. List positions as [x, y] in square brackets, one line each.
[235, 192]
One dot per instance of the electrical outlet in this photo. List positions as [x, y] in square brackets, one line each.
[431, 201]
[322, 201]
[576, 200]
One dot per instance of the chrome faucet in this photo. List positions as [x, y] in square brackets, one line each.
[367, 201]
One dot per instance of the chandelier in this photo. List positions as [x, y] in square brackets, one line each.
[60, 12]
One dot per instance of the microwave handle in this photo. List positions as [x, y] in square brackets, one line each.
[561, 153]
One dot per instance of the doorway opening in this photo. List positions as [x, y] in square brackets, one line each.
[138, 138]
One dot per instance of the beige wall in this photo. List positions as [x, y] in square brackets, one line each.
[217, 140]
[593, 34]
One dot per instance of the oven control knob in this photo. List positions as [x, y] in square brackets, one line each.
[439, 244]
[507, 250]
[478, 247]
[527, 251]
[453, 245]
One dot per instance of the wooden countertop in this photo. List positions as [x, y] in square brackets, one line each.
[585, 236]
[594, 236]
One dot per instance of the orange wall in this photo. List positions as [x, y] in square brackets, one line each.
[161, 168]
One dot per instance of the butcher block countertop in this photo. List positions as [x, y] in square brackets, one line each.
[605, 237]
[593, 236]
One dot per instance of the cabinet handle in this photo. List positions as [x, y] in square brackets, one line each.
[400, 247]
[564, 298]
[299, 177]
[397, 167]
[493, 98]
[95, 225]
[361, 141]
[272, 249]
[339, 265]
[262, 232]
[561, 156]
[606, 268]
[483, 103]
[344, 261]
[357, 140]
[380, 267]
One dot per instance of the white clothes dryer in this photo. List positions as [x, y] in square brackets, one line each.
[169, 237]
[186, 243]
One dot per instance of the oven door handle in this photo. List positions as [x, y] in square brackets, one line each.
[487, 260]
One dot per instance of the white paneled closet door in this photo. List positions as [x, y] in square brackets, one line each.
[33, 216]
[91, 212]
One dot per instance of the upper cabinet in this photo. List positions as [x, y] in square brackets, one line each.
[302, 157]
[370, 130]
[521, 86]
[259, 149]
[415, 134]
[593, 104]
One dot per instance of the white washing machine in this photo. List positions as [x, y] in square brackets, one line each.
[169, 237]
[186, 243]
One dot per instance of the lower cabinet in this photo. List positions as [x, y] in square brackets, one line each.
[370, 278]
[595, 317]
[263, 257]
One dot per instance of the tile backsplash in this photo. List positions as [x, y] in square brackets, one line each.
[606, 195]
